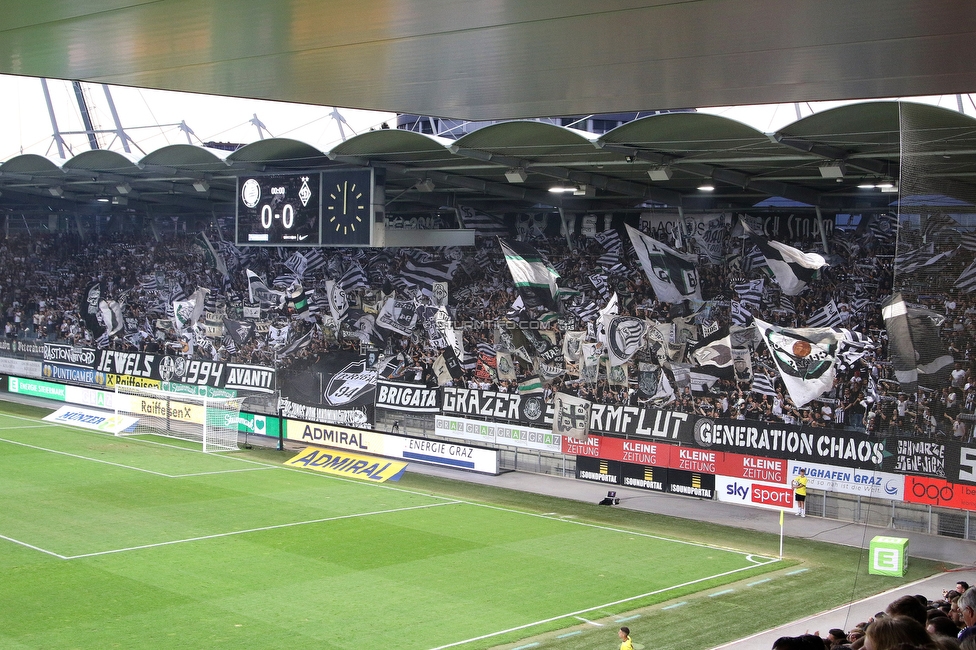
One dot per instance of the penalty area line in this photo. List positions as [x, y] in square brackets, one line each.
[252, 530]
[578, 613]
[32, 547]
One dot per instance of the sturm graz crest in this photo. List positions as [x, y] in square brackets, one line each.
[350, 383]
[172, 367]
[532, 408]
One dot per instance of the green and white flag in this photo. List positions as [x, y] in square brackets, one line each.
[534, 278]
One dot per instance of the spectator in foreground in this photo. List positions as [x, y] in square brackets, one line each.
[967, 610]
[891, 632]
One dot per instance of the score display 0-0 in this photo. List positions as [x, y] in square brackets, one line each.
[287, 209]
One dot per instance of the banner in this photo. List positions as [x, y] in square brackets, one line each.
[412, 398]
[198, 372]
[880, 485]
[641, 422]
[529, 410]
[499, 434]
[571, 417]
[348, 464]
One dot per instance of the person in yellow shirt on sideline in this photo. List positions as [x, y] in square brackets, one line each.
[800, 493]
[625, 642]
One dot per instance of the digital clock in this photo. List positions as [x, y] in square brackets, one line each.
[279, 210]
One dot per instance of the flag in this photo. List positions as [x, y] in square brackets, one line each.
[447, 367]
[586, 312]
[785, 304]
[967, 279]
[484, 225]
[601, 284]
[277, 336]
[740, 314]
[792, 268]
[763, 384]
[531, 385]
[534, 277]
[571, 416]
[258, 291]
[673, 275]
[297, 264]
[111, 315]
[240, 332]
[315, 260]
[426, 274]
[714, 350]
[750, 292]
[186, 313]
[917, 353]
[625, 336]
[90, 298]
[826, 316]
[399, 316]
[806, 358]
[297, 299]
[505, 366]
[354, 278]
[298, 344]
[338, 303]
[610, 240]
[215, 259]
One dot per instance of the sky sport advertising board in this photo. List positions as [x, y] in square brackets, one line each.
[744, 492]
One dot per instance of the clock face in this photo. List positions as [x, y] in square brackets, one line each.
[279, 210]
[347, 198]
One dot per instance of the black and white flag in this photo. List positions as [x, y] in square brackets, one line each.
[534, 277]
[806, 358]
[673, 275]
[918, 355]
[792, 268]
[826, 316]
[625, 336]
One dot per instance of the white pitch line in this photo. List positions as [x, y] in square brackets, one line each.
[78, 456]
[32, 547]
[136, 469]
[589, 621]
[749, 556]
[576, 614]
[255, 530]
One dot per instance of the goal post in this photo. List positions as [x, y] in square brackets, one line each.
[209, 421]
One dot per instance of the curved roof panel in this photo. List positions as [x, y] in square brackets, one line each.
[186, 156]
[538, 141]
[395, 145]
[102, 161]
[687, 134]
[31, 164]
[281, 150]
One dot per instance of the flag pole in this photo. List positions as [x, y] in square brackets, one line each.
[781, 511]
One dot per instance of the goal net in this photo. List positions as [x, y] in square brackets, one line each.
[210, 421]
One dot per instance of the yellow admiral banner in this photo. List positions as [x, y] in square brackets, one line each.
[344, 463]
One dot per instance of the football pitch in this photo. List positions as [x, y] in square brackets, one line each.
[121, 542]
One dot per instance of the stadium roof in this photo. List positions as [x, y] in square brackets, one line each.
[819, 161]
[502, 60]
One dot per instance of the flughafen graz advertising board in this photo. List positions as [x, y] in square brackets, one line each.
[629, 444]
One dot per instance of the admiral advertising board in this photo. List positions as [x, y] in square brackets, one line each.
[744, 492]
[384, 444]
[846, 480]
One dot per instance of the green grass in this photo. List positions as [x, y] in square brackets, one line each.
[113, 542]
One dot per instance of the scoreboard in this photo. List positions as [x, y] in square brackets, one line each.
[328, 208]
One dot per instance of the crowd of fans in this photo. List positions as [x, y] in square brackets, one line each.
[910, 622]
[43, 277]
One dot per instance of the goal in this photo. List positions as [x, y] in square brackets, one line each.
[210, 421]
